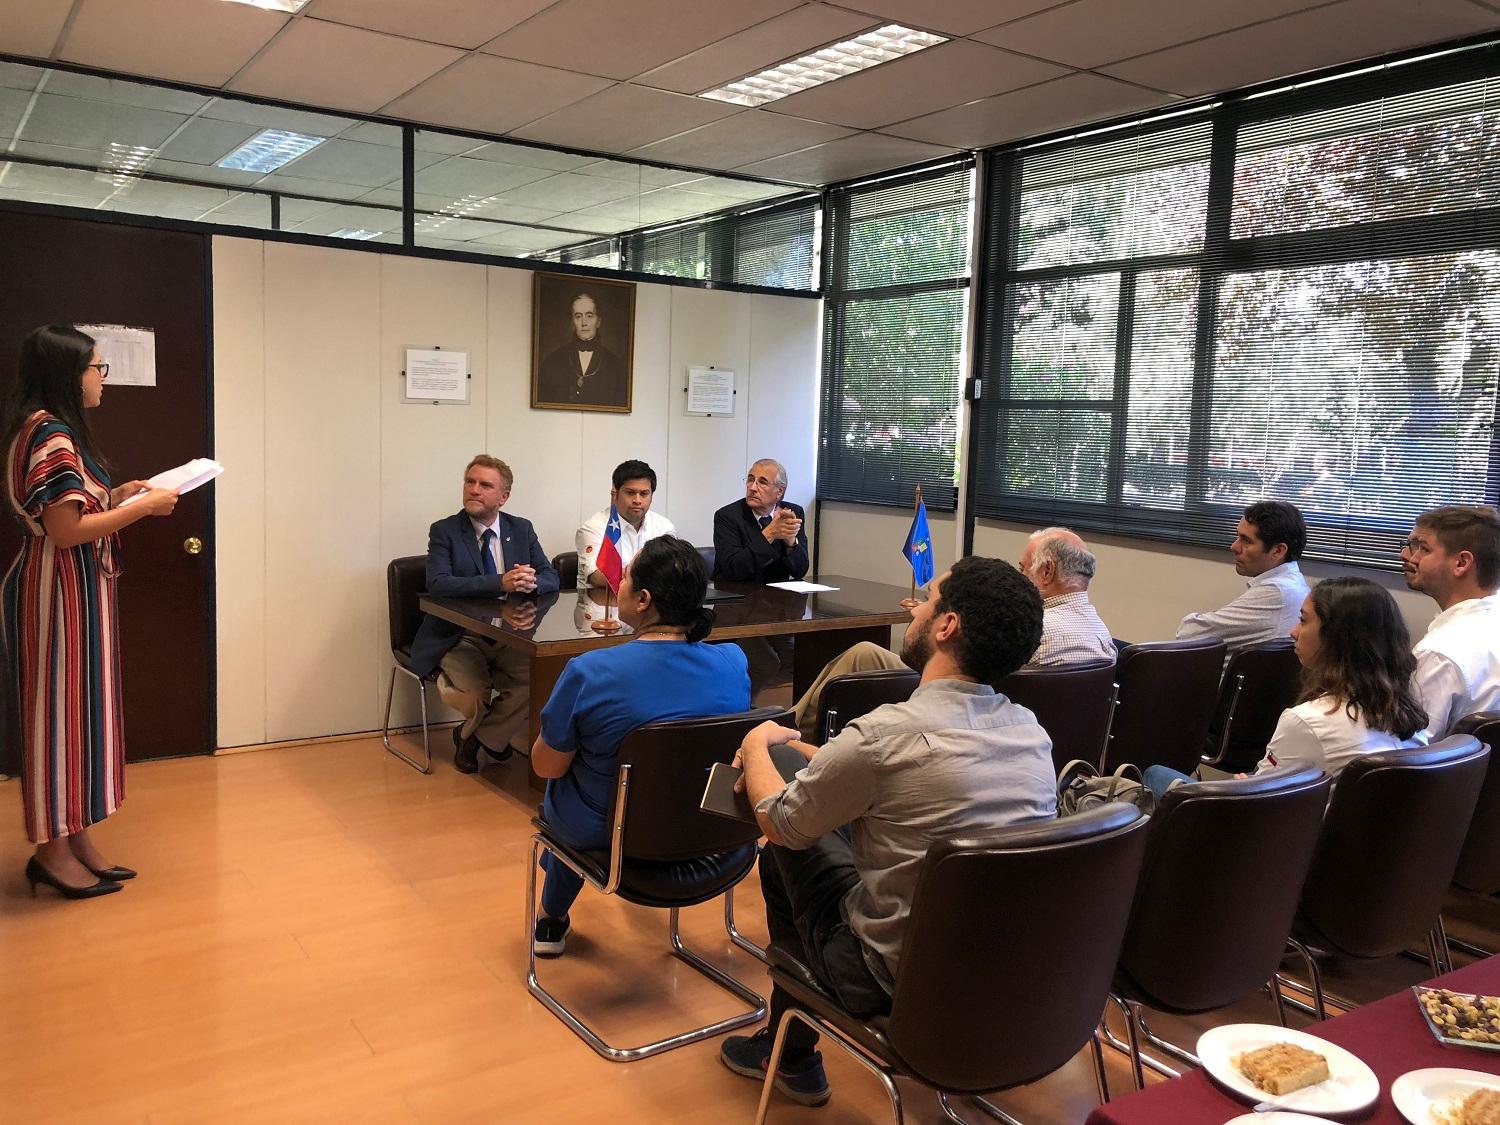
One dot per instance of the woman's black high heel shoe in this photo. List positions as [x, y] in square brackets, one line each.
[113, 874]
[36, 873]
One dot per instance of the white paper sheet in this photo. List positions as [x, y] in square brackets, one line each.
[130, 353]
[802, 587]
[184, 478]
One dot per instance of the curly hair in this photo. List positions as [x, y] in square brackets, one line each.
[1000, 614]
[1364, 656]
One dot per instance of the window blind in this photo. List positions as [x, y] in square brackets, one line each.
[895, 315]
[1292, 297]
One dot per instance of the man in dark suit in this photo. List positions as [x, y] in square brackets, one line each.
[583, 372]
[481, 553]
[760, 538]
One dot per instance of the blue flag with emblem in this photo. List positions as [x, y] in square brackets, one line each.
[918, 549]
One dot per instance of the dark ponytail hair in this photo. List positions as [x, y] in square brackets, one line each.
[49, 376]
[675, 573]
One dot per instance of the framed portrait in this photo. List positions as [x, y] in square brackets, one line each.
[582, 343]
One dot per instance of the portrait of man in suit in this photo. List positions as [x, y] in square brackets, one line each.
[582, 343]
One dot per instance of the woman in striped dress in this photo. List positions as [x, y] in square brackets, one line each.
[61, 624]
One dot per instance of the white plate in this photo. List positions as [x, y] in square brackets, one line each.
[1418, 1092]
[1278, 1117]
[1351, 1085]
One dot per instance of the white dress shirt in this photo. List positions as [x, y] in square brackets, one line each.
[1321, 733]
[479, 530]
[1071, 633]
[1458, 664]
[591, 534]
[1266, 610]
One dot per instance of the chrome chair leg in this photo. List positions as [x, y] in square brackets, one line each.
[849, 1046]
[586, 1033]
[424, 766]
[1314, 985]
[739, 939]
[1124, 1046]
[1101, 1075]
[1275, 987]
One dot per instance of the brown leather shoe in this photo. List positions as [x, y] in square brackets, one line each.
[465, 752]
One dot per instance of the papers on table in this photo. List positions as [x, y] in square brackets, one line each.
[802, 587]
[184, 478]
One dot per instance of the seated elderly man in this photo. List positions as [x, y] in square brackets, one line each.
[1060, 565]
[955, 759]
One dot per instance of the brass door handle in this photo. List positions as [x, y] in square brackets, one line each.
[192, 545]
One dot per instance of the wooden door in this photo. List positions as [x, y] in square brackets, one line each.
[58, 270]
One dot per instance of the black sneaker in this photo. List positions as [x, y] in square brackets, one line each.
[550, 936]
[804, 1081]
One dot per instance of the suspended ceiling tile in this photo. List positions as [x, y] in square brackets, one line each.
[623, 38]
[1295, 44]
[951, 17]
[460, 176]
[206, 142]
[798, 32]
[180, 40]
[92, 125]
[327, 64]
[12, 105]
[351, 162]
[845, 159]
[1076, 99]
[458, 23]
[1089, 33]
[18, 76]
[751, 135]
[569, 191]
[493, 95]
[624, 117]
[31, 27]
[274, 117]
[530, 156]
[938, 78]
[121, 91]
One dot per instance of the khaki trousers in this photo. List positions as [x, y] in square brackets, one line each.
[863, 657]
[490, 686]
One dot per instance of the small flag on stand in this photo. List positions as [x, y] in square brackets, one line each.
[609, 551]
[918, 549]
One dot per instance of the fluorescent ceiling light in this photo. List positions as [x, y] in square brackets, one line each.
[274, 5]
[849, 57]
[269, 150]
[121, 165]
[356, 232]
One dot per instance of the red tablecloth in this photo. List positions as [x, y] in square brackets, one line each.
[1389, 1035]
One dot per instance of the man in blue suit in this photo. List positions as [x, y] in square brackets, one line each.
[481, 553]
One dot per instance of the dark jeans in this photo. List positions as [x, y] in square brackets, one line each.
[803, 892]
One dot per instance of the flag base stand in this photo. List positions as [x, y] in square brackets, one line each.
[609, 625]
[909, 603]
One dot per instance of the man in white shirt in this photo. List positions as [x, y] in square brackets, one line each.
[1061, 566]
[633, 486]
[1267, 543]
[1453, 556]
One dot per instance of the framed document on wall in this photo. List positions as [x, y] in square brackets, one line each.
[582, 343]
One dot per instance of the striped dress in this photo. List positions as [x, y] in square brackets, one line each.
[62, 639]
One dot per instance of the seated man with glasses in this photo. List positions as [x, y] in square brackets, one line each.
[1453, 556]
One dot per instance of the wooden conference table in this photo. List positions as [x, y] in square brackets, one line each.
[554, 628]
[1388, 1035]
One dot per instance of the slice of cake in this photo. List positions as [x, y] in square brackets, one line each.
[1482, 1107]
[1281, 1068]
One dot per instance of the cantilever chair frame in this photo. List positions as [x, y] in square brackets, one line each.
[425, 765]
[539, 844]
[1221, 751]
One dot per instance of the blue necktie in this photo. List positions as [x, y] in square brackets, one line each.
[486, 556]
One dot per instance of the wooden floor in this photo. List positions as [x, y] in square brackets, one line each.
[321, 934]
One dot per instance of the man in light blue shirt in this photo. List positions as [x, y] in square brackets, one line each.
[1267, 543]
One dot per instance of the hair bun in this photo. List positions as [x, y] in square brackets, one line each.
[701, 624]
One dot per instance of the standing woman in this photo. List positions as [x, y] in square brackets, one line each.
[60, 613]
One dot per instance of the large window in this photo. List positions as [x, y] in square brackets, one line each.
[894, 338]
[1294, 296]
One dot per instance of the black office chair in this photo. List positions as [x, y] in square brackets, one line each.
[709, 555]
[1224, 867]
[1167, 695]
[665, 852]
[1074, 705]
[405, 579]
[847, 697]
[1260, 682]
[1478, 875]
[1006, 964]
[566, 565]
[1389, 846]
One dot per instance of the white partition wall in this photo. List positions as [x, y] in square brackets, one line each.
[330, 474]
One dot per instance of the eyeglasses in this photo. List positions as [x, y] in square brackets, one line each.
[1414, 546]
[103, 369]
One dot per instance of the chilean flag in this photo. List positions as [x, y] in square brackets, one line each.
[609, 551]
